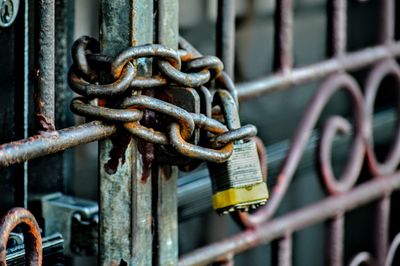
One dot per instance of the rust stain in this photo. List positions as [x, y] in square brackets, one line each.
[120, 143]
[146, 149]
[30, 229]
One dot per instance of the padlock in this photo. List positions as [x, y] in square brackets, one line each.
[238, 183]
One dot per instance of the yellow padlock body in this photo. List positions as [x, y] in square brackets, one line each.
[235, 197]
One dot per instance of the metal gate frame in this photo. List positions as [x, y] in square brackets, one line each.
[132, 210]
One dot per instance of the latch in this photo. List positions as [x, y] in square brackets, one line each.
[76, 219]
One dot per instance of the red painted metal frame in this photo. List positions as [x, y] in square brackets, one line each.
[260, 228]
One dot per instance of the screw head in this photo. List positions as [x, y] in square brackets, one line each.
[8, 12]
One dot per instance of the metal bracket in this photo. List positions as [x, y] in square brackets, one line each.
[76, 219]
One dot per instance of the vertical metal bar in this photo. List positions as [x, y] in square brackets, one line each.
[387, 21]
[166, 244]
[44, 91]
[282, 250]
[64, 31]
[335, 240]
[22, 99]
[226, 34]
[382, 212]
[283, 39]
[337, 27]
[381, 234]
[26, 96]
[125, 197]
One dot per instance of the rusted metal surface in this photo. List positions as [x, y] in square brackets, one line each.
[32, 239]
[82, 79]
[44, 99]
[125, 201]
[40, 145]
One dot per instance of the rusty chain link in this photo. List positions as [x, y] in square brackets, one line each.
[114, 101]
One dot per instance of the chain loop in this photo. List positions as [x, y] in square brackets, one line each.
[79, 55]
[160, 52]
[81, 106]
[118, 87]
[181, 115]
[197, 70]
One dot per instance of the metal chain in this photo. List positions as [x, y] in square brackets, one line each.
[116, 103]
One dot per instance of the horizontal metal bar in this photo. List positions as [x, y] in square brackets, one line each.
[351, 61]
[294, 221]
[194, 188]
[52, 142]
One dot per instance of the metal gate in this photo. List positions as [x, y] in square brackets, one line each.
[137, 215]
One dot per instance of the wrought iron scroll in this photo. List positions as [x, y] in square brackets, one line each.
[260, 227]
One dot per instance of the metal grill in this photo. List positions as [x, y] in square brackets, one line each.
[138, 202]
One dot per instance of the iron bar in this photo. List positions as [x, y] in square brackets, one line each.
[44, 144]
[166, 201]
[125, 189]
[335, 240]
[282, 255]
[387, 21]
[337, 27]
[36, 146]
[281, 81]
[44, 98]
[283, 42]
[22, 99]
[381, 232]
[27, 8]
[225, 34]
[294, 221]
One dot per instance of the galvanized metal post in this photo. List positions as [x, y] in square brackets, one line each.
[125, 197]
[166, 244]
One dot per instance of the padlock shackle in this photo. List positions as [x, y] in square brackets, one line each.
[229, 109]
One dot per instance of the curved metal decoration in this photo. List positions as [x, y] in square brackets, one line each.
[362, 143]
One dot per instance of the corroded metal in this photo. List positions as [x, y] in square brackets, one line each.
[199, 70]
[44, 104]
[40, 145]
[32, 239]
[121, 163]
[125, 195]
